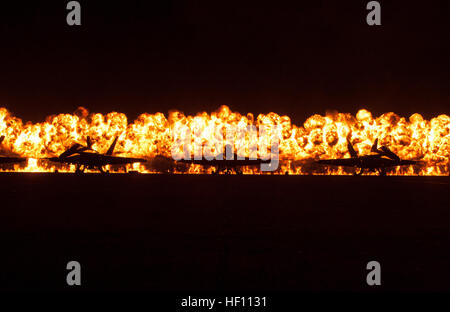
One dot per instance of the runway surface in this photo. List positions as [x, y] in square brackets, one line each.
[220, 233]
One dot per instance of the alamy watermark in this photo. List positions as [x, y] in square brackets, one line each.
[74, 276]
[228, 142]
[374, 16]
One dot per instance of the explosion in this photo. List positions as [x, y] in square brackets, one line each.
[152, 136]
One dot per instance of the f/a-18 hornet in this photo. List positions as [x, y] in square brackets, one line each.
[84, 157]
[10, 160]
[379, 159]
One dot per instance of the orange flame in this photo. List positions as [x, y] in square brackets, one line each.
[152, 136]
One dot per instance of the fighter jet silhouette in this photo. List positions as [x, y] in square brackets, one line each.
[225, 164]
[380, 159]
[10, 160]
[84, 157]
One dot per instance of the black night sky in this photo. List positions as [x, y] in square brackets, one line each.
[254, 56]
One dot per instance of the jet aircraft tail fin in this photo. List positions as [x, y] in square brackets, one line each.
[71, 150]
[89, 142]
[390, 154]
[374, 148]
[351, 150]
[111, 148]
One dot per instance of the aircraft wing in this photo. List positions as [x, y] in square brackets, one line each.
[408, 162]
[346, 162]
[11, 160]
[116, 160]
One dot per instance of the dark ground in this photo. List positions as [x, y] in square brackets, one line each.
[221, 233]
